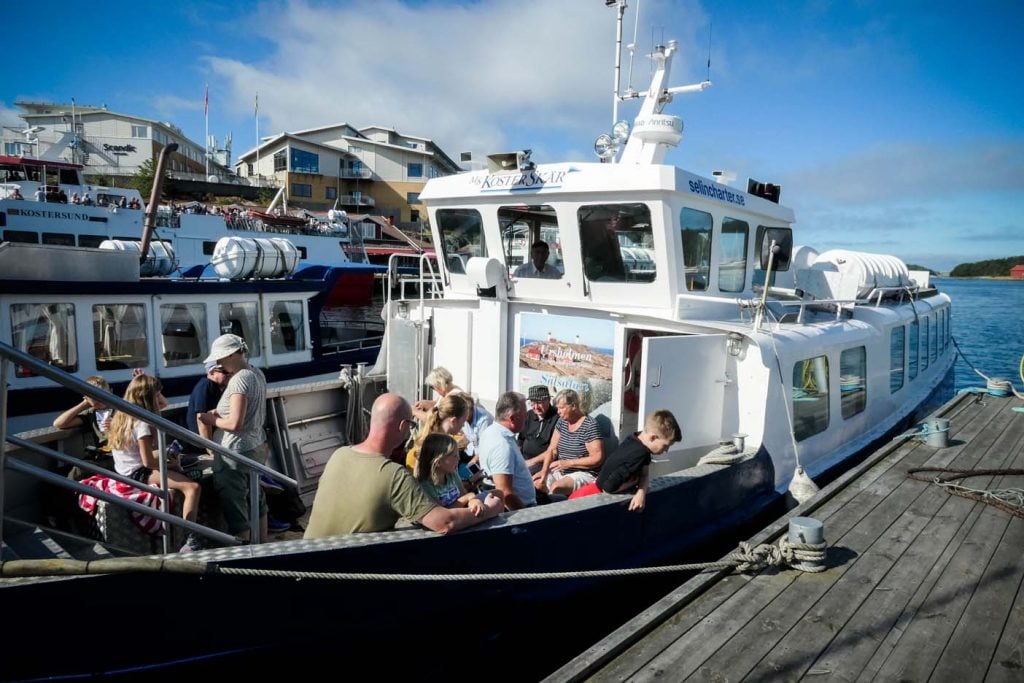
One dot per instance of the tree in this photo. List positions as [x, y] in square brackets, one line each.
[143, 178]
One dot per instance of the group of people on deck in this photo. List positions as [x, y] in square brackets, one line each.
[466, 466]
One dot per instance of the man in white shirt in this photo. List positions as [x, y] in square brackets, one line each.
[538, 266]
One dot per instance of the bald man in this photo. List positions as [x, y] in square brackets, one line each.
[361, 490]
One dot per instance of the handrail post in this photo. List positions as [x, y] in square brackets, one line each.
[254, 508]
[161, 449]
[4, 367]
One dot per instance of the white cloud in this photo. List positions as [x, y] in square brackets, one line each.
[9, 116]
[464, 75]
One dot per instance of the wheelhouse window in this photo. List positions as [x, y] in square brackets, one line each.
[810, 397]
[119, 336]
[242, 319]
[522, 227]
[305, 162]
[853, 380]
[287, 327]
[897, 338]
[617, 242]
[183, 333]
[912, 351]
[46, 332]
[462, 237]
[695, 230]
[732, 257]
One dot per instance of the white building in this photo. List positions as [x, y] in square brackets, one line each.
[362, 170]
[105, 142]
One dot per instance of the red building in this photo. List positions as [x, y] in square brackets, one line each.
[1017, 272]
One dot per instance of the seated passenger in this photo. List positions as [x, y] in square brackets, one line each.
[437, 472]
[447, 417]
[628, 468]
[92, 418]
[441, 381]
[538, 266]
[540, 426]
[576, 451]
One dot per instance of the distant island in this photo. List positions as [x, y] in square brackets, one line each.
[991, 268]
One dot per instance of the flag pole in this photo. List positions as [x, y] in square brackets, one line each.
[256, 112]
[206, 140]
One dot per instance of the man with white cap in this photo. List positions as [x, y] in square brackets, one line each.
[238, 421]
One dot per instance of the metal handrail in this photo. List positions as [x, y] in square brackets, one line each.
[9, 354]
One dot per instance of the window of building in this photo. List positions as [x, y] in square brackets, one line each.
[415, 170]
[923, 353]
[810, 397]
[46, 332]
[243, 319]
[140, 131]
[912, 351]
[60, 238]
[302, 190]
[330, 193]
[462, 237]
[280, 161]
[617, 242]
[853, 376]
[287, 327]
[521, 226]
[695, 231]
[183, 330]
[412, 197]
[119, 336]
[249, 170]
[732, 257]
[305, 162]
[897, 339]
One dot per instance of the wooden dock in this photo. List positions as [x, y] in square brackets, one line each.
[920, 585]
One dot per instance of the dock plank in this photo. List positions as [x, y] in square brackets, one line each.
[921, 584]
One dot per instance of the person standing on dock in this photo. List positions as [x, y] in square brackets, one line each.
[500, 456]
[362, 490]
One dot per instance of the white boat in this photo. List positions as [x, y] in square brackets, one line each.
[47, 213]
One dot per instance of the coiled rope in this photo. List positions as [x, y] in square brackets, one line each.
[1009, 500]
[807, 557]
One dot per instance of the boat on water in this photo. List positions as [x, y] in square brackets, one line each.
[49, 202]
[675, 292]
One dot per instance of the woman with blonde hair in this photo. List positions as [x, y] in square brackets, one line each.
[133, 443]
[446, 417]
[441, 381]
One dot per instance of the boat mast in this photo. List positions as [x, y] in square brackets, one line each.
[621, 6]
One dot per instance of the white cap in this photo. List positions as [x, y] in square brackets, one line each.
[226, 345]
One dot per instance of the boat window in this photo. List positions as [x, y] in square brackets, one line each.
[47, 332]
[68, 176]
[732, 257]
[287, 327]
[12, 173]
[923, 354]
[60, 238]
[93, 241]
[933, 338]
[897, 338]
[852, 378]
[617, 242]
[810, 397]
[462, 237]
[24, 236]
[912, 351]
[242, 319]
[521, 228]
[183, 330]
[695, 230]
[119, 336]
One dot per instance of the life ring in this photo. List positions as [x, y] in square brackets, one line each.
[631, 372]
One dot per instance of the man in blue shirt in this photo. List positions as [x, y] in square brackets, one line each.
[205, 395]
[500, 456]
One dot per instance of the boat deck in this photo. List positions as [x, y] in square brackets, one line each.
[920, 584]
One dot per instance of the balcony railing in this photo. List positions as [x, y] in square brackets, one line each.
[362, 200]
[363, 173]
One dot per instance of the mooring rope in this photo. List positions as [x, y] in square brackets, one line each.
[807, 557]
[996, 386]
[1009, 500]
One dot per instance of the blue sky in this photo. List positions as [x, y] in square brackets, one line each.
[893, 127]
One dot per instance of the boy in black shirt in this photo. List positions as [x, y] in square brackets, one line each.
[628, 468]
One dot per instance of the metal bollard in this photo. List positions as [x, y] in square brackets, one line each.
[806, 530]
[936, 432]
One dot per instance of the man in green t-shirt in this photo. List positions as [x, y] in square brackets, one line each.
[361, 490]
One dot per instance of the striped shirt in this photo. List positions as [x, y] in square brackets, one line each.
[573, 445]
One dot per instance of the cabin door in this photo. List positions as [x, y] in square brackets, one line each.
[686, 375]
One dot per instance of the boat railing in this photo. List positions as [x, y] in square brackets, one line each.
[412, 270]
[11, 356]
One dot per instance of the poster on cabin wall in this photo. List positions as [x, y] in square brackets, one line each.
[566, 352]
